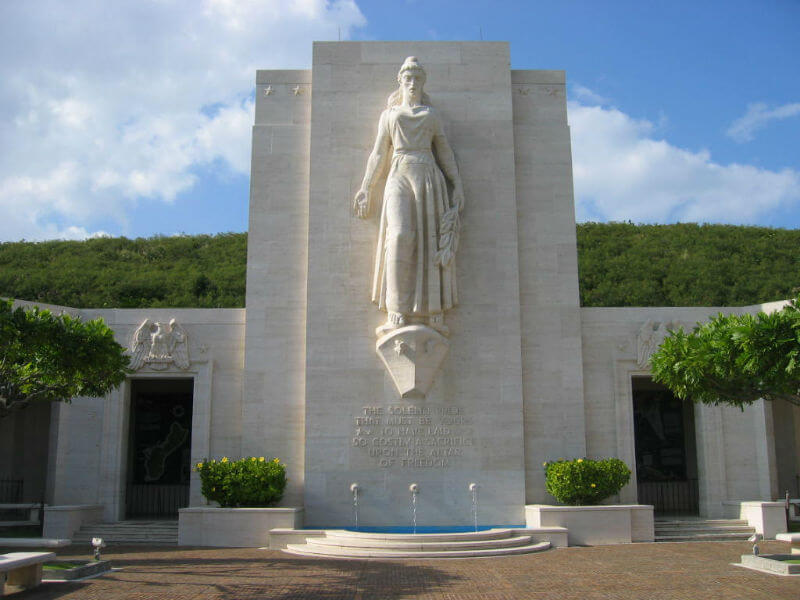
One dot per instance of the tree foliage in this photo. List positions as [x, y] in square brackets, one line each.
[51, 358]
[622, 264]
[734, 359]
[179, 271]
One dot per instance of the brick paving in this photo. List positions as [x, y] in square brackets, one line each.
[692, 571]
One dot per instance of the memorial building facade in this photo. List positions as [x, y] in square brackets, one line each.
[412, 316]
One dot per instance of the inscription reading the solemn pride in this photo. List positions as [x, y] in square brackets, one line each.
[413, 436]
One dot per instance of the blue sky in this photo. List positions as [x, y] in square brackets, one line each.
[133, 117]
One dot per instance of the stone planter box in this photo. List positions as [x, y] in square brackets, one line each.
[771, 563]
[596, 525]
[86, 569]
[234, 527]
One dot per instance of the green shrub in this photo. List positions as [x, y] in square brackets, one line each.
[585, 481]
[248, 481]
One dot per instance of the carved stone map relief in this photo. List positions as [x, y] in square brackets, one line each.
[414, 279]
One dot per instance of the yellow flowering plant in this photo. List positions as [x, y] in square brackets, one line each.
[585, 481]
[248, 481]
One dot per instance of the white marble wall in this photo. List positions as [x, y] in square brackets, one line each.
[89, 438]
[469, 84]
[548, 265]
[274, 393]
[735, 449]
[530, 375]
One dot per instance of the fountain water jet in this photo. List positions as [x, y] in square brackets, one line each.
[354, 488]
[414, 489]
[473, 487]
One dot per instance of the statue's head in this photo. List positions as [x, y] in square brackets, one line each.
[411, 66]
[411, 78]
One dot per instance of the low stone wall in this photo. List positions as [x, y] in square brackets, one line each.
[64, 521]
[596, 525]
[767, 518]
[234, 527]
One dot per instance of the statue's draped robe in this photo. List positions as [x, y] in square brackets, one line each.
[407, 279]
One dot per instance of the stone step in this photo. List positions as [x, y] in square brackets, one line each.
[696, 530]
[699, 522]
[117, 535]
[709, 537]
[130, 532]
[343, 542]
[339, 552]
[128, 528]
[488, 534]
[123, 534]
[356, 544]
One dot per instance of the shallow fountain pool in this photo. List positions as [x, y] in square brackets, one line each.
[431, 529]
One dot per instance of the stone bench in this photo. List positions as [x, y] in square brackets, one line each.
[33, 542]
[792, 538]
[23, 570]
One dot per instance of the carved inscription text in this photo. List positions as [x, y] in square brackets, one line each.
[415, 437]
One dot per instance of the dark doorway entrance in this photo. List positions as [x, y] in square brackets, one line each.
[159, 457]
[666, 455]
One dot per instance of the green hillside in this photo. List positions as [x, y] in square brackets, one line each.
[620, 265]
[181, 271]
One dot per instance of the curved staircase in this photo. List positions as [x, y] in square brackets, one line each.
[355, 544]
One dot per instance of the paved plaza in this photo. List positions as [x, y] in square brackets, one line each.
[692, 571]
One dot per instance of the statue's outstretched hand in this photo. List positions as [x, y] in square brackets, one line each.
[361, 204]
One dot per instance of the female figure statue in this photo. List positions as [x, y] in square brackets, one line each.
[414, 280]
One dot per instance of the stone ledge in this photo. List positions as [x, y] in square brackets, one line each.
[63, 521]
[34, 543]
[596, 525]
[767, 518]
[234, 527]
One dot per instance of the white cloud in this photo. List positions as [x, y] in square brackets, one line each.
[757, 116]
[586, 95]
[106, 104]
[623, 173]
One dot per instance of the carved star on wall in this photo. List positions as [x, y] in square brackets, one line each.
[268, 90]
[297, 90]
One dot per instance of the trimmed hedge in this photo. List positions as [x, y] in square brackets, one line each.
[585, 481]
[251, 481]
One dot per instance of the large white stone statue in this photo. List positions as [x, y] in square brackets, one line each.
[415, 274]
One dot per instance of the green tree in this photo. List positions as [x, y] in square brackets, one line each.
[734, 359]
[53, 358]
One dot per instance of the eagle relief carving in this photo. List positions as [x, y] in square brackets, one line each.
[158, 345]
[650, 337]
